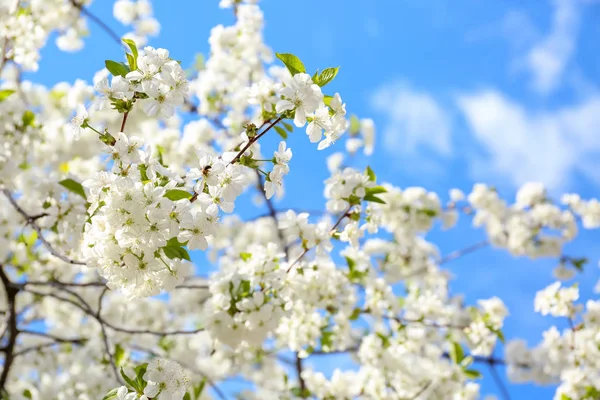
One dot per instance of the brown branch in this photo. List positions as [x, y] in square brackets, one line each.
[98, 22]
[31, 222]
[9, 350]
[301, 382]
[459, 253]
[501, 386]
[125, 115]
[86, 309]
[254, 140]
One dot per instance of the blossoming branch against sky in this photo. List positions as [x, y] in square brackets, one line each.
[247, 199]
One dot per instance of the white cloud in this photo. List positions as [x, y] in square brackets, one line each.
[414, 120]
[521, 146]
[548, 59]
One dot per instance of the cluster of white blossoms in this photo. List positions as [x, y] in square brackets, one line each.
[26, 26]
[98, 216]
[137, 13]
[237, 56]
[248, 298]
[303, 96]
[570, 357]
[533, 226]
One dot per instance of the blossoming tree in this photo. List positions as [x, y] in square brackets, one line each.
[104, 193]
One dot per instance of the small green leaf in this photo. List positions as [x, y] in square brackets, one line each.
[327, 76]
[116, 68]
[199, 388]
[245, 256]
[373, 199]
[578, 263]
[74, 187]
[327, 100]
[326, 340]
[355, 314]
[428, 212]
[456, 353]
[119, 355]
[5, 93]
[174, 242]
[140, 370]
[298, 392]
[176, 252]
[132, 384]
[354, 125]
[132, 46]
[131, 61]
[187, 397]
[292, 63]
[281, 132]
[370, 173]
[109, 396]
[177, 194]
[375, 190]
[289, 127]
[472, 374]
[28, 118]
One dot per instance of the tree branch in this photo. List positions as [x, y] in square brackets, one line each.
[9, 350]
[31, 222]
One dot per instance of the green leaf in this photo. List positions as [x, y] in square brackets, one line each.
[354, 125]
[370, 173]
[498, 333]
[132, 46]
[176, 243]
[119, 355]
[109, 396]
[327, 100]
[291, 62]
[456, 353]
[428, 212]
[578, 263]
[5, 93]
[327, 76]
[198, 389]
[131, 61]
[355, 314]
[245, 289]
[375, 190]
[132, 384]
[326, 339]
[176, 252]
[177, 194]
[140, 370]
[472, 374]
[303, 393]
[385, 340]
[289, 127]
[564, 397]
[187, 397]
[373, 199]
[116, 68]
[28, 118]
[74, 187]
[281, 132]
[245, 256]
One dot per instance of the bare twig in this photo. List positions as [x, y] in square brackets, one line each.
[31, 222]
[459, 253]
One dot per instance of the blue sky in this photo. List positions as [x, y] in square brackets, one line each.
[461, 91]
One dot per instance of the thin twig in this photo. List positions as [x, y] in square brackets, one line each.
[499, 382]
[98, 22]
[31, 222]
[459, 253]
[254, 140]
